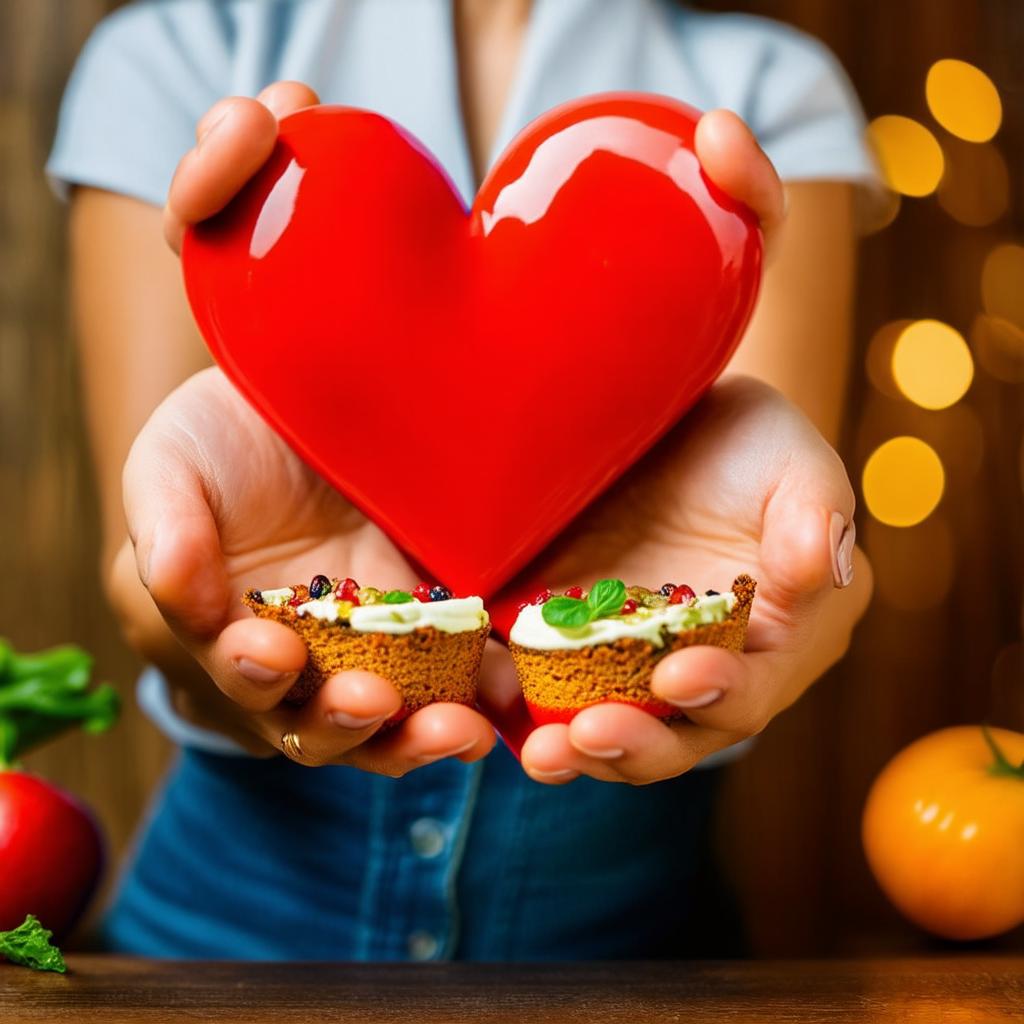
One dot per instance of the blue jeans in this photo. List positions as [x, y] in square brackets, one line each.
[265, 859]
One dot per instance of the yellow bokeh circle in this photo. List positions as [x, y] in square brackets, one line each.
[903, 481]
[909, 155]
[963, 99]
[932, 364]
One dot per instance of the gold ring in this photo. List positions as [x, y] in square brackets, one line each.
[291, 747]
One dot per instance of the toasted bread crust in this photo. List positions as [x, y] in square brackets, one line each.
[569, 680]
[426, 665]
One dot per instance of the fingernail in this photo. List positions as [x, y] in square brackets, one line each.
[701, 700]
[347, 721]
[608, 754]
[843, 537]
[257, 673]
[562, 773]
[430, 758]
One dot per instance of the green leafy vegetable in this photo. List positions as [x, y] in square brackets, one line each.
[43, 694]
[567, 612]
[398, 597]
[29, 945]
[605, 598]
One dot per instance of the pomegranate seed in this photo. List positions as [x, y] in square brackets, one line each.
[421, 592]
[294, 602]
[682, 593]
[628, 607]
[543, 596]
[346, 589]
[576, 592]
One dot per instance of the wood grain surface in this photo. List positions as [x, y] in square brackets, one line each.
[791, 809]
[108, 989]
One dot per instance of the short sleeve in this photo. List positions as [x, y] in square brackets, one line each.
[146, 75]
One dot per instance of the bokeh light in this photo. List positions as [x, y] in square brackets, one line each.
[913, 568]
[932, 364]
[909, 155]
[975, 189]
[903, 481]
[999, 347]
[964, 100]
[1002, 283]
[878, 359]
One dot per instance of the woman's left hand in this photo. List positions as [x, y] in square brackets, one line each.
[744, 484]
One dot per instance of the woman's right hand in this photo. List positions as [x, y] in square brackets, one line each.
[234, 138]
[216, 502]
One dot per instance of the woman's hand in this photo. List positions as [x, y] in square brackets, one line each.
[234, 138]
[744, 484]
[216, 503]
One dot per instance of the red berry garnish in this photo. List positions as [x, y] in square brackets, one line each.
[682, 593]
[346, 590]
[294, 602]
[576, 592]
[543, 596]
[421, 592]
[628, 607]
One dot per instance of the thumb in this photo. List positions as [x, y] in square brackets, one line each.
[173, 530]
[734, 161]
[808, 532]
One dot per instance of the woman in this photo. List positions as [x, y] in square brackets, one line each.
[469, 854]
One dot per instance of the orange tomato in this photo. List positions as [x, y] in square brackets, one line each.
[943, 831]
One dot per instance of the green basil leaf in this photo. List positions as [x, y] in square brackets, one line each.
[566, 612]
[606, 598]
[398, 597]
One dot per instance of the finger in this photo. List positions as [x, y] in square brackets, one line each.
[641, 748]
[238, 134]
[807, 530]
[722, 690]
[431, 734]
[548, 756]
[734, 161]
[255, 662]
[344, 713]
[284, 98]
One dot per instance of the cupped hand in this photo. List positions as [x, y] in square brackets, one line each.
[217, 503]
[744, 484]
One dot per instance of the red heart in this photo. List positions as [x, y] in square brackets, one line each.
[472, 381]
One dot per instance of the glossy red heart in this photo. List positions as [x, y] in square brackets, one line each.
[472, 381]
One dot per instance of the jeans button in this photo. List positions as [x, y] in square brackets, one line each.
[427, 836]
[423, 945]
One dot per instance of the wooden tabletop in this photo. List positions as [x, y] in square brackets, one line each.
[120, 989]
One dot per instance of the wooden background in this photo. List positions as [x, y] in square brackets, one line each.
[791, 809]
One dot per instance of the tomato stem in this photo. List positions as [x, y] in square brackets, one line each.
[1001, 764]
